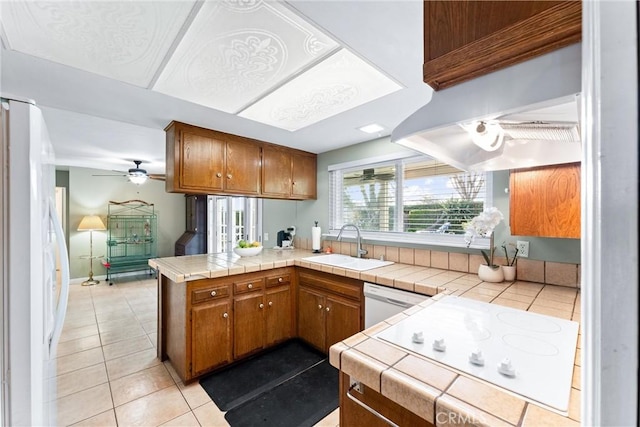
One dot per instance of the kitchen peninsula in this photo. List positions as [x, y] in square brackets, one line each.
[391, 376]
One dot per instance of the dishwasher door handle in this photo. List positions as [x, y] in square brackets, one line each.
[399, 303]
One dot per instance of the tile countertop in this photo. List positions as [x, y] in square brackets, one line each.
[434, 392]
[444, 396]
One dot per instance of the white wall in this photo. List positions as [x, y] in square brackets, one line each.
[90, 194]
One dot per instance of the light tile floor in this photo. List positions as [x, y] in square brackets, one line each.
[107, 370]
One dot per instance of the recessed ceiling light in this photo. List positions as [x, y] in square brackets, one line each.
[372, 128]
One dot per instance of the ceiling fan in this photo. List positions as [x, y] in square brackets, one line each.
[138, 175]
[369, 175]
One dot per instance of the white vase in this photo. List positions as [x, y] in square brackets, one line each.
[488, 274]
[509, 272]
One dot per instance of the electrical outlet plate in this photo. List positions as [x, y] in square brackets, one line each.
[265, 237]
[523, 248]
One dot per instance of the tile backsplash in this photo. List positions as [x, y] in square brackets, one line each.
[528, 270]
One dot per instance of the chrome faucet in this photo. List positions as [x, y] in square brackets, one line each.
[359, 250]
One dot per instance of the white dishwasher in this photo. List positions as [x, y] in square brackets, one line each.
[382, 302]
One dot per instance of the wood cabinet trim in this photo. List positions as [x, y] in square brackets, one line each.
[346, 287]
[553, 28]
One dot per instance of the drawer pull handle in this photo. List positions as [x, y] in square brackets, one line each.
[219, 175]
[225, 315]
[270, 303]
[214, 293]
[261, 305]
[280, 279]
[370, 409]
[319, 306]
[327, 309]
[250, 286]
[229, 176]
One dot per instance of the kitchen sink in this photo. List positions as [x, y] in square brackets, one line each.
[349, 262]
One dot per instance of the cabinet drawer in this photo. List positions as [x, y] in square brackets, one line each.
[209, 294]
[248, 286]
[282, 279]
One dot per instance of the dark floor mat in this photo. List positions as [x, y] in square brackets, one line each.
[239, 383]
[302, 401]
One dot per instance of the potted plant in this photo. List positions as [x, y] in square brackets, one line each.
[510, 268]
[483, 226]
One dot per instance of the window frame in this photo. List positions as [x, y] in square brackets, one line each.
[415, 239]
[255, 228]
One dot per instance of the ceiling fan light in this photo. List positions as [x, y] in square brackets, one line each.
[138, 177]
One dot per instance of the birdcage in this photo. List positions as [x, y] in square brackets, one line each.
[131, 237]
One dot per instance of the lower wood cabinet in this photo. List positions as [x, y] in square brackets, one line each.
[210, 336]
[209, 323]
[279, 315]
[329, 308]
[248, 324]
[360, 413]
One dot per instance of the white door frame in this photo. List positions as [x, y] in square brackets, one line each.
[609, 241]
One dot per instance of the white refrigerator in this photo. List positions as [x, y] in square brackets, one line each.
[33, 302]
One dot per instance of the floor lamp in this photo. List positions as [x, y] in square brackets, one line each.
[91, 223]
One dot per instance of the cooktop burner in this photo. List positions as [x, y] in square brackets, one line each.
[527, 353]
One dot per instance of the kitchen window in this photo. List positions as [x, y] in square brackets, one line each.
[413, 199]
[231, 219]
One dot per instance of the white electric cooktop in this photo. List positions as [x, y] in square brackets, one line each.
[529, 354]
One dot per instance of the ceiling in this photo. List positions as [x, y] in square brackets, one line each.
[110, 103]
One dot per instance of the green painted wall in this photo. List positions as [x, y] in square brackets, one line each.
[280, 214]
[89, 194]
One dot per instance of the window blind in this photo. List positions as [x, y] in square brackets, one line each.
[415, 195]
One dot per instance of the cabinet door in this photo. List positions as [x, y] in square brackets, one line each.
[545, 201]
[276, 172]
[343, 319]
[243, 167]
[210, 336]
[248, 325]
[304, 176]
[278, 315]
[311, 324]
[201, 161]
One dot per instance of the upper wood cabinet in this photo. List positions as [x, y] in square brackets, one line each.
[466, 39]
[204, 161]
[304, 175]
[545, 201]
[288, 173]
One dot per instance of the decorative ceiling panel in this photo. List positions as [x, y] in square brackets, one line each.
[339, 83]
[235, 51]
[126, 41]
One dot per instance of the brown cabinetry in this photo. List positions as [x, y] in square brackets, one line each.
[288, 173]
[329, 308]
[466, 39]
[545, 201]
[303, 173]
[210, 336]
[204, 161]
[263, 317]
[205, 324]
[353, 414]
